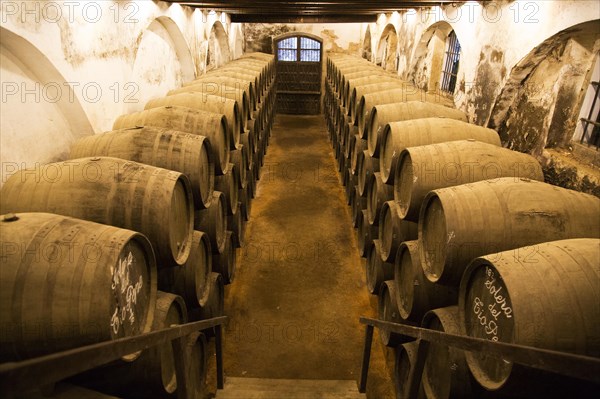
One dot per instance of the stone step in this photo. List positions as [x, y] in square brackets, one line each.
[264, 388]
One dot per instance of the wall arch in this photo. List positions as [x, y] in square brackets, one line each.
[181, 47]
[367, 49]
[430, 51]
[539, 104]
[387, 49]
[151, 79]
[41, 113]
[218, 51]
[237, 41]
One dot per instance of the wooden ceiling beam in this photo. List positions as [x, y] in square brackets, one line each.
[306, 7]
[307, 19]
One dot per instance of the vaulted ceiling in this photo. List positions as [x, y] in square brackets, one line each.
[307, 11]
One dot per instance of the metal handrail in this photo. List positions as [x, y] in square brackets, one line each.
[16, 377]
[567, 364]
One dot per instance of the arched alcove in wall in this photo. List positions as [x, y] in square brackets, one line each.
[237, 42]
[429, 56]
[181, 47]
[387, 50]
[540, 103]
[151, 79]
[41, 113]
[218, 47]
[367, 51]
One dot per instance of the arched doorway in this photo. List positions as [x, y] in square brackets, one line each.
[299, 57]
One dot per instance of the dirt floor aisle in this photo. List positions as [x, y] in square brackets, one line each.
[300, 284]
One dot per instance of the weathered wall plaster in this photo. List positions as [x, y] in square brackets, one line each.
[69, 69]
[524, 65]
[336, 37]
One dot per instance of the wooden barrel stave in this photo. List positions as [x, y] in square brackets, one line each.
[154, 201]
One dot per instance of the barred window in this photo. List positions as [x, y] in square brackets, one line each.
[451, 63]
[587, 131]
[287, 49]
[299, 48]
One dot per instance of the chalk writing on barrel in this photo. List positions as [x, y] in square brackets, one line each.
[126, 293]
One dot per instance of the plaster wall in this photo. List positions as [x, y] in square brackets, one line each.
[525, 66]
[69, 69]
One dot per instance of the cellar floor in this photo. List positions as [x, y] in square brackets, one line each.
[299, 288]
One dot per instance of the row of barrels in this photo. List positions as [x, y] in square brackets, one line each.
[138, 230]
[460, 235]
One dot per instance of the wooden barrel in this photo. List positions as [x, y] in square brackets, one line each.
[458, 224]
[388, 311]
[366, 71]
[404, 364]
[397, 136]
[429, 167]
[255, 80]
[247, 141]
[225, 83]
[198, 353]
[369, 71]
[47, 261]
[183, 119]
[367, 79]
[215, 306]
[354, 209]
[256, 64]
[383, 114]
[250, 67]
[237, 225]
[203, 102]
[353, 66]
[243, 71]
[269, 66]
[415, 294]
[224, 263]
[445, 374]
[229, 186]
[183, 152]
[251, 136]
[223, 91]
[346, 66]
[495, 303]
[359, 91]
[349, 138]
[367, 102]
[350, 187]
[366, 234]
[245, 197]
[190, 281]
[393, 231]
[358, 205]
[154, 201]
[378, 271]
[252, 182]
[377, 194]
[366, 168]
[153, 372]
[240, 160]
[213, 222]
[359, 146]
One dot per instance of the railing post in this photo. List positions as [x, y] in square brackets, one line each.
[364, 372]
[219, 354]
